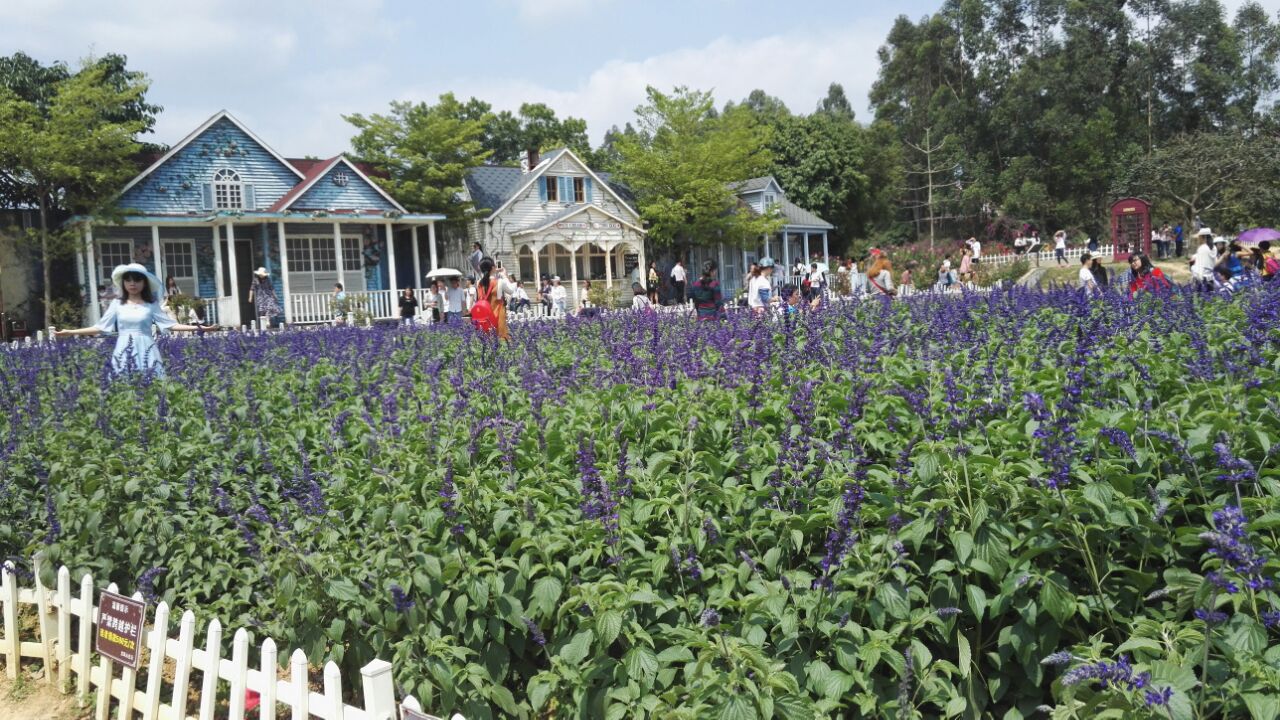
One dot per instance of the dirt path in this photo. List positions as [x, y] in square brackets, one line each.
[32, 699]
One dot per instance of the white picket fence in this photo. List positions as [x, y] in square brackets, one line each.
[68, 659]
[1045, 256]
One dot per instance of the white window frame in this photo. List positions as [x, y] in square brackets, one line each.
[228, 190]
[110, 257]
[315, 252]
[194, 277]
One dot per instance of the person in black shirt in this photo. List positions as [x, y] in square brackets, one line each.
[408, 306]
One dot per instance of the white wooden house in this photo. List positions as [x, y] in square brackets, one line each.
[555, 216]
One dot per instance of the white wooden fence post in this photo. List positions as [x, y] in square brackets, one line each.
[182, 664]
[129, 680]
[333, 691]
[239, 671]
[379, 691]
[267, 708]
[48, 626]
[212, 656]
[159, 637]
[298, 680]
[64, 628]
[104, 668]
[9, 597]
[86, 631]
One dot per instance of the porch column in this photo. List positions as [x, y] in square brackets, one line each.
[95, 310]
[608, 266]
[573, 273]
[337, 253]
[537, 266]
[417, 261]
[807, 256]
[221, 284]
[431, 243]
[786, 253]
[284, 272]
[155, 252]
[644, 266]
[826, 251]
[720, 263]
[391, 264]
[235, 279]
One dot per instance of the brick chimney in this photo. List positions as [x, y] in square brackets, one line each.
[530, 160]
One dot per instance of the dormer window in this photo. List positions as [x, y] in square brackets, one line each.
[228, 191]
[770, 200]
[579, 190]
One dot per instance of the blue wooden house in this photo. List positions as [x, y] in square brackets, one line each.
[221, 203]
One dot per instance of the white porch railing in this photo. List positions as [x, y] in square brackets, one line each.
[220, 311]
[68, 658]
[318, 307]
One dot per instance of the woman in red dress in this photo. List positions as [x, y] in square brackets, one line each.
[1145, 275]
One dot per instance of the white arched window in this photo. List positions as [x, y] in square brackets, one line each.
[228, 191]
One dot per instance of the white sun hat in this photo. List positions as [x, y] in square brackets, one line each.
[117, 279]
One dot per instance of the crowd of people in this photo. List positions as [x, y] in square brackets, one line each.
[1219, 265]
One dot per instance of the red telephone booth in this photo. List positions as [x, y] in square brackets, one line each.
[1130, 227]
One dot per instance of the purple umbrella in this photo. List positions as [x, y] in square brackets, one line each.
[1257, 235]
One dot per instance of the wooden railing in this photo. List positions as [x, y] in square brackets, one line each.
[65, 626]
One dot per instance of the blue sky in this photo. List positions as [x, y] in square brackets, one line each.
[291, 68]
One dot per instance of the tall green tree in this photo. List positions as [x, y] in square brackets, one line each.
[424, 151]
[534, 127]
[682, 161]
[68, 149]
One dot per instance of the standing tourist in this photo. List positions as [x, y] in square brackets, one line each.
[1060, 247]
[559, 297]
[654, 281]
[880, 274]
[131, 318]
[976, 247]
[490, 310]
[455, 300]
[519, 298]
[408, 306]
[708, 301]
[640, 299]
[1177, 240]
[1145, 275]
[1088, 283]
[966, 267]
[678, 277]
[477, 254]
[1099, 271]
[1203, 261]
[339, 303]
[262, 294]
[760, 286]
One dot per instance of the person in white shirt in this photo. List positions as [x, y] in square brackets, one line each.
[760, 287]
[1087, 281]
[455, 299]
[640, 298]
[1060, 247]
[1203, 261]
[678, 277]
[976, 247]
[471, 294]
[817, 279]
[431, 300]
[519, 298]
[1019, 244]
[559, 297]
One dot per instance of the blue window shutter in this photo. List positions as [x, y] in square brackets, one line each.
[206, 196]
[542, 188]
[250, 198]
[589, 193]
[566, 191]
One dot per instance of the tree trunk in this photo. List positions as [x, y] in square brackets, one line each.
[44, 260]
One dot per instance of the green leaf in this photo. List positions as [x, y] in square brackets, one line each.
[963, 542]
[608, 625]
[546, 593]
[1060, 603]
[965, 659]
[737, 707]
[641, 663]
[343, 590]
[1262, 707]
[675, 653]
[977, 600]
[576, 650]
[503, 698]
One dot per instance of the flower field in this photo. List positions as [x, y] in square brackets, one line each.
[940, 507]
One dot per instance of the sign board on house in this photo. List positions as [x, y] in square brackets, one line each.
[588, 226]
[630, 262]
[121, 622]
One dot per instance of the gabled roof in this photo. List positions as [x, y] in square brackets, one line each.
[795, 216]
[754, 185]
[498, 194]
[569, 212]
[221, 114]
[318, 171]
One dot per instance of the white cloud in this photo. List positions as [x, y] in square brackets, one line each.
[794, 67]
[544, 10]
